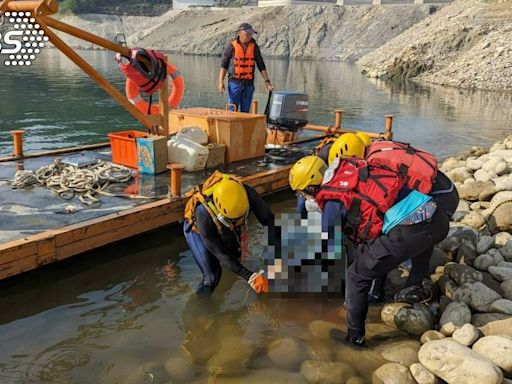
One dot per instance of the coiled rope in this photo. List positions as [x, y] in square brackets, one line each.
[67, 180]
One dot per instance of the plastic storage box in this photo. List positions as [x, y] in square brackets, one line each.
[124, 147]
[193, 156]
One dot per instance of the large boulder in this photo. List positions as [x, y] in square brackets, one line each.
[454, 316]
[318, 372]
[473, 191]
[476, 295]
[481, 319]
[466, 335]
[415, 320]
[498, 349]
[461, 273]
[231, 358]
[422, 375]
[320, 329]
[455, 363]
[402, 352]
[483, 262]
[502, 306]
[392, 373]
[506, 289]
[498, 327]
[501, 273]
[484, 244]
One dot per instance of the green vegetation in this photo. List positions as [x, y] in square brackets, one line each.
[116, 7]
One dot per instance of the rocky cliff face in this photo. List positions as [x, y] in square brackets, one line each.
[319, 32]
[467, 44]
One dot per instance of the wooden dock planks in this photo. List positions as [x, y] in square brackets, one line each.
[26, 254]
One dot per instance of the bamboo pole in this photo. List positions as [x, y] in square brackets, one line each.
[89, 70]
[163, 95]
[175, 179]
[338, 115]
[254, 106]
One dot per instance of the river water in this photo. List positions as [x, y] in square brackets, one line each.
[119, 314]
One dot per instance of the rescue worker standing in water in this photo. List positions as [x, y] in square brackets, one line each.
[240, 58]
[216, 229]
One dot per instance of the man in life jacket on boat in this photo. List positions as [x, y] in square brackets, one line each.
[215, 228]
[240, 58]
[388, 222]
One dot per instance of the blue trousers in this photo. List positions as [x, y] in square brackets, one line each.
[208, 264]
[240, 95]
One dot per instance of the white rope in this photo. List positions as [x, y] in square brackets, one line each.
[67, 180]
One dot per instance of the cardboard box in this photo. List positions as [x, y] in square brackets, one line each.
[216, 155]
[242, 133]
[152, 154]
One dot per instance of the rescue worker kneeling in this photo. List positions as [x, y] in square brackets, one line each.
[365, 198]
[216, 229]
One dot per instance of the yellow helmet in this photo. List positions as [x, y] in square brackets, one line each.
[347, 145]
[306, 172]
[367, 140]
[230, 199]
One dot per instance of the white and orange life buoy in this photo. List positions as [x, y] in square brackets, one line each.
[178, 87]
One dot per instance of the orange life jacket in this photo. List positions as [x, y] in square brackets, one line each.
[243, 60]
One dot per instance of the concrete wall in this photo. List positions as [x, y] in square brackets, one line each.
[275, 3]
[183, 4]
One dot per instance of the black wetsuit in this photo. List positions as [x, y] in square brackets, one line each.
[211, 250]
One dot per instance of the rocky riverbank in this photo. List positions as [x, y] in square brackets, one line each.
[467, 44]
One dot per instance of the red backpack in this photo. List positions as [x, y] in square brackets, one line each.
[419, 168]
[147, 68]
[367, 191]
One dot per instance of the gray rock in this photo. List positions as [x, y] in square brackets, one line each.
[483, 262]
[498, 327]
[389, 312]
[481, 176]
[502, 238]
[490, 281]
[459, 174]
[444, 301]
[447, 286]
[462, 273]
[481, 319]
[318, 372]
[502, 306]
[473, 219]
[415, 320]
[476, 295]
[484, 244]
[464, 233]
[506, 251]
[422, 375]
[498, 349]
[496, 255]
[504, 264]
[466, 335]
[506, 289]
[463, 206]
[402, 352]
[458, 216]
[455, 363]
[466, 253]
[474, 165]
[454, 316]
[431, 335]
[450, 244]
[438, 258]
[473, 191]
[501, 273]
[392, 373]
[287, 353]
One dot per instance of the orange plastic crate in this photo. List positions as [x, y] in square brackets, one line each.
[124, 147]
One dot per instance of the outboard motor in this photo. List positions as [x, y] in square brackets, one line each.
[288, 111]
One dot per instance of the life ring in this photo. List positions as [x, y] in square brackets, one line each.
[174, 100]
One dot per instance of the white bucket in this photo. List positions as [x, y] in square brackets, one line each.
[196, 134]
[193, 156]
